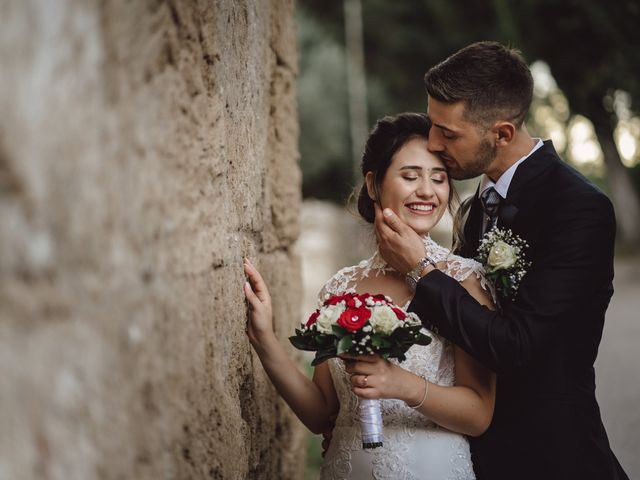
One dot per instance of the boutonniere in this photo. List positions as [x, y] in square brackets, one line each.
[501, 252]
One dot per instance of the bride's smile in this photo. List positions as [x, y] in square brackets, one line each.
[420, 208]
[415, 186]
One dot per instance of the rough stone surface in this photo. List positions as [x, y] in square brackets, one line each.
[145, 148]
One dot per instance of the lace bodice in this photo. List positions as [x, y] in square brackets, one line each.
[459, 268]
[433, 362]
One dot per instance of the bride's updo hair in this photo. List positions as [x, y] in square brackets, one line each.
[387, 137]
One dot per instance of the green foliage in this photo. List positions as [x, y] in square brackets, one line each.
[592, 47]
[323, 112]
[339, 331]
[314, 457]
[323, 355]
[345, 344]
[342, 341]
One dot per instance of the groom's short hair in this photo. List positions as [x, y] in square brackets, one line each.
[492, 80]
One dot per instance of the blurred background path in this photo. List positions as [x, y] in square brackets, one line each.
[617, 379]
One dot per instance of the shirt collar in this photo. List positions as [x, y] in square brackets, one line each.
[502, 185]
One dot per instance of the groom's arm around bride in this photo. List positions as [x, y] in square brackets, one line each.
[544, 341]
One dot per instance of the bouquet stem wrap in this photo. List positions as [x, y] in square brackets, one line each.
[371, 423]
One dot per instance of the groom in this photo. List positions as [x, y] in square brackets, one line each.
[543, 344]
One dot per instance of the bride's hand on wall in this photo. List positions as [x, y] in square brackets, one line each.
[260, 323]
[374, 377]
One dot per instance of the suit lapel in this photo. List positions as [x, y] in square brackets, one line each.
[507, 214]
[519, 199]
[528, 171]
[518, 210]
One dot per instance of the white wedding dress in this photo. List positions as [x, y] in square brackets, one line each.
[414, 448]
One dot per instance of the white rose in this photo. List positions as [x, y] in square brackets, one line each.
[328, 316]
[384, 320]
[501, 256]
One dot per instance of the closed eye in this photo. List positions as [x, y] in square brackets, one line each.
[411, 179]
[449, 135]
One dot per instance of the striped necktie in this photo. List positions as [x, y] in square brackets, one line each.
[490, 200]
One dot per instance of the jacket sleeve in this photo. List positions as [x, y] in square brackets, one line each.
[572, 269]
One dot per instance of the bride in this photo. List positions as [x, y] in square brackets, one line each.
[439, 393]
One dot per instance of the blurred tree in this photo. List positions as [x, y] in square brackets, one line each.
[323, 112]
[593, 50]
[356, 80]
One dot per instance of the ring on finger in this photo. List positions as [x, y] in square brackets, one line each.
[365, 380]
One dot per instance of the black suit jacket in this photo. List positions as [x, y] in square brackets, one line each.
[543, 344]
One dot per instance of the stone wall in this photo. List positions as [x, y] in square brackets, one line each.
[145, 147]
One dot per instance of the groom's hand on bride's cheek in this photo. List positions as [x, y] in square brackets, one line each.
[399, 244]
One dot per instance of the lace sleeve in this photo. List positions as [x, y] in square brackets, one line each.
[346, 279]
[461, 268]
[342, 282]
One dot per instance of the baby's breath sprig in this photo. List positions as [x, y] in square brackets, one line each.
[503, 255]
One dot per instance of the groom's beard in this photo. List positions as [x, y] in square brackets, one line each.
[482, 159]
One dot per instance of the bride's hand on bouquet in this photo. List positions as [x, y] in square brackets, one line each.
[374, 377]
[260, 323]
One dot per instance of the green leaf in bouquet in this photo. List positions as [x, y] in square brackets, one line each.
[323, 340]
[422, 339]
[339, 331]
[401, 357]
[379, 341]
[303, 343]
[410, 335]
[400, 334]
[345, 344]
[323, 355]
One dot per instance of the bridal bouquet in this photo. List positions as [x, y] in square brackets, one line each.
[361, 324]
[501, 252]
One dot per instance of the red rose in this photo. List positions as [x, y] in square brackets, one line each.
[336, 299]
[353, 319]
[351, 301]
[312, 319]
[399, 313]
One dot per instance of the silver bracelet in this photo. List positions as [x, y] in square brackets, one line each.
[413, 276]
[424, 397]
